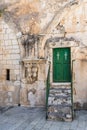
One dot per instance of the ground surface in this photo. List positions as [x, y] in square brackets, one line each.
[23, 118]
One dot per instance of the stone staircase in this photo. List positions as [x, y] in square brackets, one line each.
[60, 102]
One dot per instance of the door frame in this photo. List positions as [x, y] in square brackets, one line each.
[53, 65]
[51, 61]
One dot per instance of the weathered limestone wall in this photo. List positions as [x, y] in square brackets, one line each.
[33, 85]
[59, 23]
[33, 16]
[9, 59]
[18, 89]
[72, 24]
[77, 28]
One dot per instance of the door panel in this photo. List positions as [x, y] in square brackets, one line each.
[57, 74]
[61, 65]
[66, 55]
[66, 73]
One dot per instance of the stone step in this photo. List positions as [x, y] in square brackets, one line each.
[60, 92]
[59, 95]
[60, 117]
[58, 88]
[60, 102]
[60, 105]
[60, 85]
[58, 113]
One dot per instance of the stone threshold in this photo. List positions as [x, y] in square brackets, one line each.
[67, 83]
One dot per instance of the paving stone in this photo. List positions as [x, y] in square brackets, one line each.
[24, 118]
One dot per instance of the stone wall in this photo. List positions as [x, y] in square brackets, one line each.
[9, 60]
[57, 23]
[33, 85]
[71, 24]
[20, 88]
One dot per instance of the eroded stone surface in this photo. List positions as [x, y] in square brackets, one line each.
[50, 24]
[60, 103]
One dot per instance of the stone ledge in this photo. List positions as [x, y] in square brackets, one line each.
[58, 84]
[30, 60]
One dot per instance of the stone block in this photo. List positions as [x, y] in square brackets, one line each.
[14, 42]
[15, 56]
[41, 85]
[9, 31]
[31, 98]
[5, 26]
[1, 37]
[17, 71]
[16, 51]
[12, 77]
[16, 47]
[8, 66]
[1, 50]
[23, 85]
[24, 96]
[5, 36]
[40, 97]
[12, 36]
[9, 62]
[8, 42]
[17, 83]
[3, 31]
[15, 62]
[41, 72]
[1, 57]
[8, 57]
[18, 78]
[8, 47]
[4, 62]
[3, 71]
[17, 67]
[61, 113]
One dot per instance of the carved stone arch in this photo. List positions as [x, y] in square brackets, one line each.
[59, 42]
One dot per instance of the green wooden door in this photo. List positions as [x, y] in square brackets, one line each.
[61, 65]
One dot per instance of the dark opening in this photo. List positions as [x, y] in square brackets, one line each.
[7, 74]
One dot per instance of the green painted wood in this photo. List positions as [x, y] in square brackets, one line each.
[61, 65]
[47, 86]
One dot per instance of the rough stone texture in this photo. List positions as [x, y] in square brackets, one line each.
[70, 24]
[57, 24]
[33, 90]
[60, 103]
[28, 15]
[9, 59]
